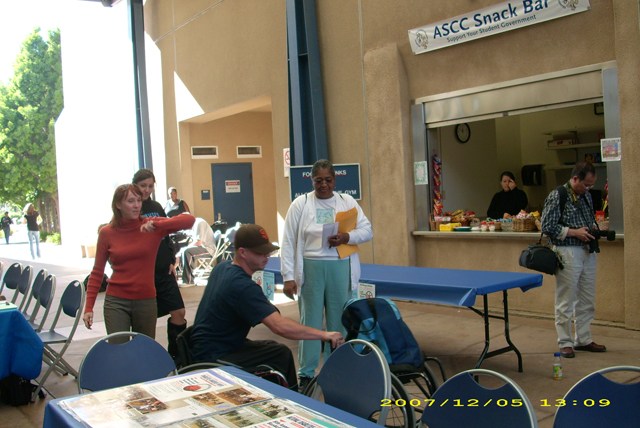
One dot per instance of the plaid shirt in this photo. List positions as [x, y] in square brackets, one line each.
[577, 213]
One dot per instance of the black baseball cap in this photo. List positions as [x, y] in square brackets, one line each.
[254, 238]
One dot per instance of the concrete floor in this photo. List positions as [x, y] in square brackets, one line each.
[454, 335]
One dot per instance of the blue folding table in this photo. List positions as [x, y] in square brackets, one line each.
[20, 346]
[455, 287]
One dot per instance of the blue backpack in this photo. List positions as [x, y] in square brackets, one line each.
[378, 320]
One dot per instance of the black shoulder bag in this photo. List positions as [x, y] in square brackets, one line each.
[540, 257]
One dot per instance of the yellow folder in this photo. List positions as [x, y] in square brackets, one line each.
[346, 223]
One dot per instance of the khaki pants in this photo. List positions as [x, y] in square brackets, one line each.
[130, 315]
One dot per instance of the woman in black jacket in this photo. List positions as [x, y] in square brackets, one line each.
[510, 200]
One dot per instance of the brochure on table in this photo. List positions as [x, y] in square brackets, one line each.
[211, 398]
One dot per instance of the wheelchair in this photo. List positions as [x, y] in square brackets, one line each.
[413, 382]
[186, 365]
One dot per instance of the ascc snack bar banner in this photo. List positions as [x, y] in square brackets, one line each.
[491, 20]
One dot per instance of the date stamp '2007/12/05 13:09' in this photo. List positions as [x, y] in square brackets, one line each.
[516, 402]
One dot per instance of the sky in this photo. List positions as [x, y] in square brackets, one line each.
[19, 18]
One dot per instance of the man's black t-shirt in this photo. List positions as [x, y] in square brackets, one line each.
[231, 304]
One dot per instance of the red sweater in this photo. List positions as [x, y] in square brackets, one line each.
[132, 255]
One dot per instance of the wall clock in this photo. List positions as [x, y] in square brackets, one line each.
[463, 133]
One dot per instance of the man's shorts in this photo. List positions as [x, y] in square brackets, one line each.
[168, 294]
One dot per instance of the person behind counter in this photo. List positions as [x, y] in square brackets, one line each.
[510, 200]
[130, 244]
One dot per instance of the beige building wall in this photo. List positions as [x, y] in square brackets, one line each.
[228, 53]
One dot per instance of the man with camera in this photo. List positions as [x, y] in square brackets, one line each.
[571, 227]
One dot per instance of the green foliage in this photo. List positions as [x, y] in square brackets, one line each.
[29, 106]
[54, 238]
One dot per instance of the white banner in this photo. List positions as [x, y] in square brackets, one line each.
[491, 20]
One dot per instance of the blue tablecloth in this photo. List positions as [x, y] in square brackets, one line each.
[446, 286]
[56, 417]
[20, 346]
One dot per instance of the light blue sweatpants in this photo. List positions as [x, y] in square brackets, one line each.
[326, 288]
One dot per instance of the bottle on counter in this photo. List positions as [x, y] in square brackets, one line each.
[557, 366]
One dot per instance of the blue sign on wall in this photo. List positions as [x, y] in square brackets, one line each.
[347, 180]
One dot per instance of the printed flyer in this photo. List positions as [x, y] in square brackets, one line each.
[211, 398]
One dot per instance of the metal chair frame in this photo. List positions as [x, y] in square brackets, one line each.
[71, 304]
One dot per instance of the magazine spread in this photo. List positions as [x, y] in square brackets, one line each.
[206, 399]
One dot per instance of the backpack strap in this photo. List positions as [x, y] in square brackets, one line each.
[564, 196]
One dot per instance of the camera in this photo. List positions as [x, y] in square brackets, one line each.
[594, 247]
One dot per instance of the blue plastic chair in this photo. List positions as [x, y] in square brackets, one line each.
[34, 293]
[71, 304]
[109, 365]
[461, 402]
[46, 293]
[24, 284]
[11, 278]
[355, 382]
[596, 401]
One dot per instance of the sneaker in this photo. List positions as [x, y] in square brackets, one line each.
[304, 382]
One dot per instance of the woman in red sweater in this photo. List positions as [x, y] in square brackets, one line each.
[130, 244]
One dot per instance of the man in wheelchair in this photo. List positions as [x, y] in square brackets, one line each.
[232, 303]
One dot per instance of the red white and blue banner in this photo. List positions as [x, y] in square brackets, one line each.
[491, 20]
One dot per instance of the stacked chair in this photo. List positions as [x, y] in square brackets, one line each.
[71, 305]
[11, 279]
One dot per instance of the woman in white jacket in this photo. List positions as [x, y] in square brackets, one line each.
[312, 268]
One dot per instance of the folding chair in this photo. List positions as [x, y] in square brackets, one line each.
[11, 277]
[33, 294]
[45, 300]
[186, 364]
[596, 401]
[228, 251]
[462, 402]
[1, 267]
[71, 304]
[24, 284]
[356, 382]
[109, 365]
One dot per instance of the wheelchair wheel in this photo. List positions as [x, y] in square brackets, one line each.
[419, 386]
[401, 413]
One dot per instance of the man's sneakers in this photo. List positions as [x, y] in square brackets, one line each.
[304, 382]
[592, 347]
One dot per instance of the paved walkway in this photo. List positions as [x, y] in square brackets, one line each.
[455, 335]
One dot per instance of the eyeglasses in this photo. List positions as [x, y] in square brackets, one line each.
[319, 181]
[588, 187]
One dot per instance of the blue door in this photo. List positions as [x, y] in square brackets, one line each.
[233, 192]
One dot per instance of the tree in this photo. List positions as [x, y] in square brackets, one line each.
[29, 107]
